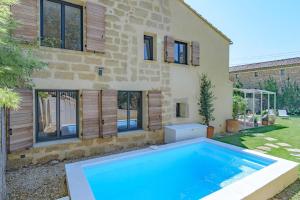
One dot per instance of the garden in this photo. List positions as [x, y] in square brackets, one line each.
[281, 140]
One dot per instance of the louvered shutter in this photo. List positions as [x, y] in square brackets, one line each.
[21, 123]
[169, 49]
[25, 13]
[91, 113]
[154, 110]
[95, 27]
[109, 113]
[195, 53]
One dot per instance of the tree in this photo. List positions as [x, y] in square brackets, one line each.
[206, 106]
[17, 62]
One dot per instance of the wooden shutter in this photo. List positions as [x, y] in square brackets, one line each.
[195, 53]
[109, 113]
[21, 123]
[91, 113]
[169, 49]
[95, 27]
[25, 13]
[154, 110]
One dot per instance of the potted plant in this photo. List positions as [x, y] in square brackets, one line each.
[265, 118]
[206, 106]
[239, 106]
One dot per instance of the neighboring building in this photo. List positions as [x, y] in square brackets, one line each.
[118, 72]
[251, 75]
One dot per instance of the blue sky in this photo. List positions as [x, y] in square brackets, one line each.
[260, 29]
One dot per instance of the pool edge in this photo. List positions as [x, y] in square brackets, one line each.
[261, 185]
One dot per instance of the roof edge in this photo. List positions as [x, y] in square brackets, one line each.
[207, 22]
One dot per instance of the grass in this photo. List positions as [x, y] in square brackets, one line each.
[285, 131]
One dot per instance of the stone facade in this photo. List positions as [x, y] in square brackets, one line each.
[83, 148]
[250, 80]
[253, 76]
[125, 69]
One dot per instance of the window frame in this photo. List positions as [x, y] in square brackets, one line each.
[139, 117]
[186, 52]
[62, 22]
[151, 39]
[57, 110]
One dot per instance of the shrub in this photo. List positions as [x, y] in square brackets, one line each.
[239, 106]
[206, 106]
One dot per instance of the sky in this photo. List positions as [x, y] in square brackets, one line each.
[261, 30]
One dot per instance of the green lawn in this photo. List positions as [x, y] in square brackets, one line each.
[284, 131]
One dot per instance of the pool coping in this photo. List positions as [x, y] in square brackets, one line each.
[262, 184]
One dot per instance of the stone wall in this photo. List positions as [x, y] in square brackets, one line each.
[248, 79]
[83, 148]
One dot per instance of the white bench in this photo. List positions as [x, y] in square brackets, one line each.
[175, 133]
[283, 114]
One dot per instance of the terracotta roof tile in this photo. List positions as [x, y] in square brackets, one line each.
[268, 64]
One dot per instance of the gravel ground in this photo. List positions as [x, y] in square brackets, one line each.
[47, 182]
[37, 183]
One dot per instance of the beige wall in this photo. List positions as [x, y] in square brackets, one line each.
[125, 69]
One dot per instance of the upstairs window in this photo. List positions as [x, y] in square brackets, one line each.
[255, 74]
[148, 47]
[61, 25]
[180, 53]
[129, 110]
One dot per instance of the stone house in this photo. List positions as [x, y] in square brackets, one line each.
[118, 71]
[251, 75]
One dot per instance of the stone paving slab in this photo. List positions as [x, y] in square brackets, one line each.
[260, 151]
[264, 148]
[296, 155]
[270, 139]
[272, 145]
[294, 150]
[258, 134]
[283, 144]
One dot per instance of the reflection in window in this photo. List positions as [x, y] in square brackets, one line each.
[72, 28]
[61, 25]
[180, 52]
[56, 114]
[52, 24]
[129, 110]
[148, 47]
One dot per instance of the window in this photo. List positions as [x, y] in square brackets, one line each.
[282, 72]
[148, 47]
[129, 110]
[56, 114]
[180, 53]
[61, 25]
[255, 74]
[236, 76]
[181, 110]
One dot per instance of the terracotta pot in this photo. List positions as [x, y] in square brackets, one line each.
[210, 131]
[232, 126]
[265, 123]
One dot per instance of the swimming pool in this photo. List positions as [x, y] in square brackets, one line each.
[187, 170]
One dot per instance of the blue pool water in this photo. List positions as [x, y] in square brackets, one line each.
[186, 172]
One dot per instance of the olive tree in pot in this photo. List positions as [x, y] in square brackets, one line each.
[239, 106]
[206, 106]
